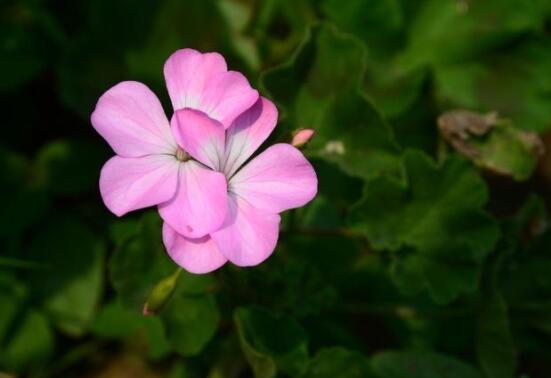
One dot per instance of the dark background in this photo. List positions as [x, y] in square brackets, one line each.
[413, 261]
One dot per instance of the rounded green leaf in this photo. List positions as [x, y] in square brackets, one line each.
[338, 362]
[271, 342]
[420, 365]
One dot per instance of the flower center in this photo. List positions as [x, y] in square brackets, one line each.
[182, 155]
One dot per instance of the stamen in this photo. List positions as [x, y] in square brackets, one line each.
[182, 155]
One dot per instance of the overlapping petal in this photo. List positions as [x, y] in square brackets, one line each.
[202, 82]
[187, 73]
[201, 201]
[220, 121]
[248, 235]
[128, 184]
[278, 179]
[131, 119]
[227, 96]
[247, 133]
[194, 255]
[200, 136]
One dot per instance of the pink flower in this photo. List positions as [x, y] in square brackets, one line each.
[215, 208]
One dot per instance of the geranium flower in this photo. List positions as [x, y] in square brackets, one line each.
[214, 206]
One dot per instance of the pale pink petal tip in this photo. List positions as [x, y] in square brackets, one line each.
[202, 81]
[248, 235]
[194, 255]
[302, 136]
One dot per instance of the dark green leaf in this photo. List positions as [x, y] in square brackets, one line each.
[70, 166]
[115, 321]
[434, 222]
[491, 142]
[140, 261]
[71, 282]
[28, 37]
[319, 89]
[190, 320]
[31, 342]
[26, 337]
[338, 362]
[515, 83]
[420, 365]
[447, 30]
[271, 343]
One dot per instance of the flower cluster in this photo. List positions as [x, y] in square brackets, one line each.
[216, 204]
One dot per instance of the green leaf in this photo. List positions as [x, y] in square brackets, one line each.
[28, 36]
[445, 31]
[26, 337]
[238, 16]
[380, 25]
[174, 26]
[420, 365]
[495, 347]
[338, 362]
[271, 343]
[523, 279]
[492, 143]
[31, 342]
[117, 322]
[70, 166]
[94, 60]
[28, 201]
[376, 22]
[71, 284]
[191, 316]
[494, 343]
[319, 88]
[514, 82]
[434, 223]
[140, 261]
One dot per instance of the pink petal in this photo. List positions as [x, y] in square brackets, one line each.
[187, 72]
[248, 235]
[128, 184]
[131, 119]
[202, 82]
[278, 179]
[227, 96]
[248, 132]
[202, 137]
[200, 204]
[194, 255]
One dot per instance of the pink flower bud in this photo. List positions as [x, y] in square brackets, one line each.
[302, 136]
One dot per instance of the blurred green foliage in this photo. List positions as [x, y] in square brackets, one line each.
[412, 261]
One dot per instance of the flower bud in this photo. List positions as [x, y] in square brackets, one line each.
[302, 136]
[161, 294]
